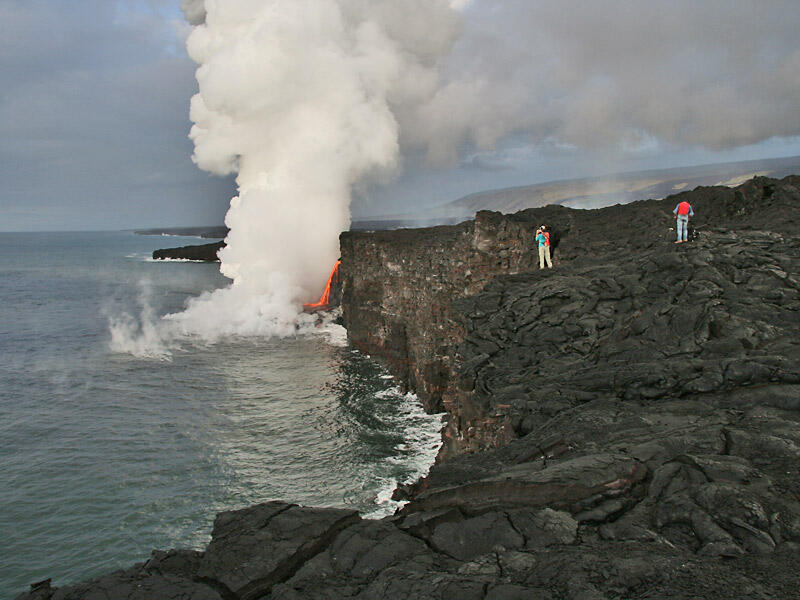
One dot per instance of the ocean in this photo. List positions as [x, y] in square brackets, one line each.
[106, 455]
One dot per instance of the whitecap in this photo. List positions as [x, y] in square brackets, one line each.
[416, 455]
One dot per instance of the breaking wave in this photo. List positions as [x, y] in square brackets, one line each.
[414, 456]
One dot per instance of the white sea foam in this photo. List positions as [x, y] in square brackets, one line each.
[388, 393]
[423, 439]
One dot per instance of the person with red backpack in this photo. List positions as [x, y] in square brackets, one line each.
[682, 213]
[543, 237]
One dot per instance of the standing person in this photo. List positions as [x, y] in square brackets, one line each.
[682, 213]
[543, 237]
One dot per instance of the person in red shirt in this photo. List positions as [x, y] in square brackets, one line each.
[682, 213]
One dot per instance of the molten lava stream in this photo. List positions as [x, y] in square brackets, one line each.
[325, 299]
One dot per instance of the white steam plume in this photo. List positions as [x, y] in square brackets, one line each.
[297, 97]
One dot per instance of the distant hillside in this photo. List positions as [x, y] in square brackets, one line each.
[616, 189]
[574, 193]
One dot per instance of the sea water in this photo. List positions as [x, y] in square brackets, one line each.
[105, 455]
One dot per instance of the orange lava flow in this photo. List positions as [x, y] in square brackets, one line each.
[325, 299]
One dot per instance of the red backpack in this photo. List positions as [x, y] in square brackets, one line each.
[683, 208]
[546, 238]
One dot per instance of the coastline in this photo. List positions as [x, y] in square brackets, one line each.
[581, 460]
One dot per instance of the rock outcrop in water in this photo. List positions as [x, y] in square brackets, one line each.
[625, 425]
[204, 252]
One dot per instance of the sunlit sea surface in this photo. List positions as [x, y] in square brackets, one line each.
[105, 456]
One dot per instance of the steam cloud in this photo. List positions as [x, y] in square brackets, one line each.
[306, 98]
[297, 97]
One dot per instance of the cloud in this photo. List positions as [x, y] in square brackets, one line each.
[611, 74]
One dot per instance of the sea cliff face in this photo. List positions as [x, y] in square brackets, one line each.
[398, 288]
[625, 425]
[403, 290]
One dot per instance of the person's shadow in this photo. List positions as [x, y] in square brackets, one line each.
[555, 238]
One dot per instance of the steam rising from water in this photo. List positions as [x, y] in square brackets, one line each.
[142, 336]
[145, 335]
[298, 98]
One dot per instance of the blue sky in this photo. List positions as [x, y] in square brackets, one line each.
[94, 116]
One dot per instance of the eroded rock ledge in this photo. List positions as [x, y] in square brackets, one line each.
[203, 252]
[626, 425]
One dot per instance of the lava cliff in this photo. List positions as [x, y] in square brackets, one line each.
[402, 289]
